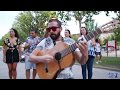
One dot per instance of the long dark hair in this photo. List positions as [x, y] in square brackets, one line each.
[85, 29]
[34, 29]
[68, 32]
[96, 40]
[16, 33]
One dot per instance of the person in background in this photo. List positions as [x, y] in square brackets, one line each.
[68, 38]
[12, 52]
[98, 51]
[30, 44]
[91, 56]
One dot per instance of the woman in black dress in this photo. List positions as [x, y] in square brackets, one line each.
[12, 52]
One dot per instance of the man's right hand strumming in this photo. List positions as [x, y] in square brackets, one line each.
[47, 58]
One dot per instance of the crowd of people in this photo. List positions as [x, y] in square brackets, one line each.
[84, 52]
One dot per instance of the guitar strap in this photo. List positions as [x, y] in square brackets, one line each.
[58, 72]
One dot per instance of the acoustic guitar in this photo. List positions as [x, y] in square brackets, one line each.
[63, 53]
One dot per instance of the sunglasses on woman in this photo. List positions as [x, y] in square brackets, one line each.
[52, 28]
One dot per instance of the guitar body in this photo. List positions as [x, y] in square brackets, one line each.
[53, 66]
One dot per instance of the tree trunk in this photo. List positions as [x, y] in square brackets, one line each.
[80, 24]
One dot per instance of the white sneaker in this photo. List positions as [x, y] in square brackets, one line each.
[96, 62]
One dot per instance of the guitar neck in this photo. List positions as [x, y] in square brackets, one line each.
[93, 34]
[73, 47]
[68, 50]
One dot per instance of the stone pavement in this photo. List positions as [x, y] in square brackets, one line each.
[97, 73]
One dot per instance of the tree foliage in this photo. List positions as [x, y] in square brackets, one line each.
[78, 15]
[3, 38]
[27, 20]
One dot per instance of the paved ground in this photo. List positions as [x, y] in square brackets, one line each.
[97, 73]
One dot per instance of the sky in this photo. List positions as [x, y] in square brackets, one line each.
[6, 20]
[8, 17]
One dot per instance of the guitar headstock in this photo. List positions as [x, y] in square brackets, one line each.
[110, 26]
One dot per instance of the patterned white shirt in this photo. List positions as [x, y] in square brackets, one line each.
[33, 43]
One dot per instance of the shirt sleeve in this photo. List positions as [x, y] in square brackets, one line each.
[41, 45]
[27, 41]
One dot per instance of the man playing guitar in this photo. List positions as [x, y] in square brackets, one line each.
[54, 28]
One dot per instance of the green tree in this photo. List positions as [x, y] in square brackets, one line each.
[117, 31]
[117, 34]
[78, 15]
[3, 38]
[23, 23]
[27, 20]
[64, 16]
[1, 42]
[90, 24]
[75, 37]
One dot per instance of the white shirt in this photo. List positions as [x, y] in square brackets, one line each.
[91, 49]
[97, 48]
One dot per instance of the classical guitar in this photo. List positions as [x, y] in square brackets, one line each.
[63, 54]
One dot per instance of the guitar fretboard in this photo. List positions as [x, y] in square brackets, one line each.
[73, 47]
[93, 34]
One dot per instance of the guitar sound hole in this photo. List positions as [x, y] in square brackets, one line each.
[46, 70]
[58, 56]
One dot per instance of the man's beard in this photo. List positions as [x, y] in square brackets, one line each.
[55, 36]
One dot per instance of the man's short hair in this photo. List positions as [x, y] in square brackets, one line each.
[85, 29]
[56, 20]
[34, 29]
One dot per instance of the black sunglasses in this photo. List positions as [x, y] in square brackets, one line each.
[52, 28]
